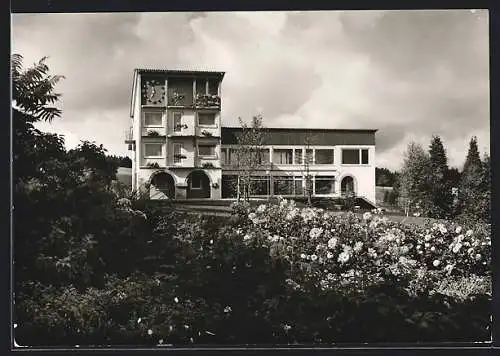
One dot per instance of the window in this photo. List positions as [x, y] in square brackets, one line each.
[153, 149]
[206, 119]
[324, 156]
[206, 150]
[201, 88]
[298, 156]
[229, 186]
[259, 186]
[213, 87]
[299, 190]
[324, 185]
[282, 156]
[283, 185]
[177, 152]
[309, 157]
[350, 156]
[177, 119]
[263, 156]
[153, 119]
[364, 156]
[195, 181]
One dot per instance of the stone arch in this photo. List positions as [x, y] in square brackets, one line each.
[198, 185]
[348, 184]
[161, 185]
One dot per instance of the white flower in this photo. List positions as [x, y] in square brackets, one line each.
[261, 208]
[176, 300]
[139, 321]
[211, 242]
[358, 246]
[468, 233]
[227, 309]
[150, 332]
[457, 247]
[332, 243]
[160, 341]
[367, 216]
[426, 245]
[427, 237]
[436, 263]
[442, 229]
[329, 255]
[315, 232]
[246, 237]
[302, 255]
[458, 229]
[287, 327]
[252, 216]
[478, 256]
[314, 257]
[470, 250]
[343, 257]
[433, 249]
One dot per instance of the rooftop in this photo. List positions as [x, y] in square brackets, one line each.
[298, 136]
[180, 72]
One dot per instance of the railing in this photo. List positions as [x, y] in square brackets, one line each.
[129, 135]
[207, 100]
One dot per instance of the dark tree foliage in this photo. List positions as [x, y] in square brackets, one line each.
[440, 187]
[384, 177]
[475, 186]
[120, 161]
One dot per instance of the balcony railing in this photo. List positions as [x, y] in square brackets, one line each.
[207, 101]
[129, 136]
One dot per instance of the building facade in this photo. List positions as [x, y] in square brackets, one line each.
[181, 151]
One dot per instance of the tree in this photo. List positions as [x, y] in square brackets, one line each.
[473, 190]
[307, 161]
[384, 177]
[249, 153]
[439, 187]
[413, 183]
[33, 90]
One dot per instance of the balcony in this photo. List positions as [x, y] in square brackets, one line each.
[207, 101]
[208, 132]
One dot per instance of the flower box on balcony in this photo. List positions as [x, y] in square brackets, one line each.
[153, 133]
[208, 165]
[176, 99]
[181, 126]
[206, 133]
[215, 185]
[153, 165]
[207, 100]
[180, 156]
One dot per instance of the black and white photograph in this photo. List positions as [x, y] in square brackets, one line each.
[252, 178]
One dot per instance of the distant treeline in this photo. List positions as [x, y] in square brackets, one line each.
[120, 161]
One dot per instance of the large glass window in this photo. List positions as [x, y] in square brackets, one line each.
[324, 156]
[153, 119]
[153, 149]
[264, 155]
[259, 186]
[350, 156]
[213, 87]
[324, 185]
[299, 190]
[282, 156]
[201, 87]
[309, 156]
[283, 185]
[229, 186]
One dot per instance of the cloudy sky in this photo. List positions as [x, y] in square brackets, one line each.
[409, 74]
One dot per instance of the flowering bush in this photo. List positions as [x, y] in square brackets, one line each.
[325, 250]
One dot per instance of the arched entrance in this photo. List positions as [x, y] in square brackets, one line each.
[198, 185]
[162, 186]
[347, 186]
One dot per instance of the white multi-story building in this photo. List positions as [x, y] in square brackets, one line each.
[181, 150]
